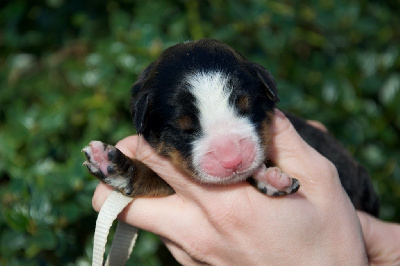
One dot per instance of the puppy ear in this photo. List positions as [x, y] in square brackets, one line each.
[268, 81]
[140, 101]
[139, 110]
[141, 80]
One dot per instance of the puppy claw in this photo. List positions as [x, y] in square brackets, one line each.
[292, 188]
[274, 182]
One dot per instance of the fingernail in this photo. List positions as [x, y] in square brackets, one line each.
[281, 123]
[279, 114]
[139, 144]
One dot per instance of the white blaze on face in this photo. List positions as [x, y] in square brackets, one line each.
[229, 149]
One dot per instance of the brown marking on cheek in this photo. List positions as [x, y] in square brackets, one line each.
[243, 103]
[266, 133]
[185, 122]
[146, 183]
[160, 148]
[181, 163]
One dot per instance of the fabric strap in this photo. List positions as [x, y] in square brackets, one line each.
[125, 235]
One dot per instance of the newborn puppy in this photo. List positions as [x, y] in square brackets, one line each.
[209, 110]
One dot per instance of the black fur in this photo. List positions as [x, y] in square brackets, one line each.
[161, 82]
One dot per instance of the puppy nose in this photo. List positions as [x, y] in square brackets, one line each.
[231, 162]
[228, 153]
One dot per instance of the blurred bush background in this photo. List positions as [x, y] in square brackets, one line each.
[66, 68]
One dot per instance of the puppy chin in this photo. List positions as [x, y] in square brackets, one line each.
[235, 177]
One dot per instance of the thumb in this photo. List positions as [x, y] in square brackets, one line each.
[382, 239]
[295, 157]
[151, 214]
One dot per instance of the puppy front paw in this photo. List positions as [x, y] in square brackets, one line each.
[273, 182]
[110, 165]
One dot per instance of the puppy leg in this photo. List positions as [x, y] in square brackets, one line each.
[273, 182]
[131, 177]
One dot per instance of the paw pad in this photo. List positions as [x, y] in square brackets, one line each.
[98, 158]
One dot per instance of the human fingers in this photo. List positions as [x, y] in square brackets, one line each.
[161, 216]
[100, 195]
[145, 213]
[295, 157]
[382, 240]
[163, 167]
[150, 209]
[178, 252]
[128, 145]
[317, 125]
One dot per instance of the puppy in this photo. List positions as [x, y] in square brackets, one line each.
[209, 109]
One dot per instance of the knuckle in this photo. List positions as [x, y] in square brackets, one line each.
[99, 196]
[229, 214]
[330, 168]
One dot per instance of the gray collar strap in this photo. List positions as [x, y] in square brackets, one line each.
[125, 234]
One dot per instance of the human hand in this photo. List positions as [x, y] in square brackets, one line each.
[382, 240]
[236, 224]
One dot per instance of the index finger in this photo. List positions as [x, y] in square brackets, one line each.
[163, 167]
[137, 147]
[128, 145]
[297, 158]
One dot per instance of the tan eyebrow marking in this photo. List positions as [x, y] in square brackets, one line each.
[185, 122]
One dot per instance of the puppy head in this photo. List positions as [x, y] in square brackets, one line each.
[207, 108]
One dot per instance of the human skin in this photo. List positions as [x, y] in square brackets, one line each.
[382, 239]
[237, 225]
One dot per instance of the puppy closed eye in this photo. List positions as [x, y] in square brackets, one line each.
[243, 104]
[185, 123]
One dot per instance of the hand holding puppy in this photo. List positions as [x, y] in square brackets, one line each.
[235, 224]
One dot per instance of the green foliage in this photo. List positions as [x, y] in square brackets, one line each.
[66, 68]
